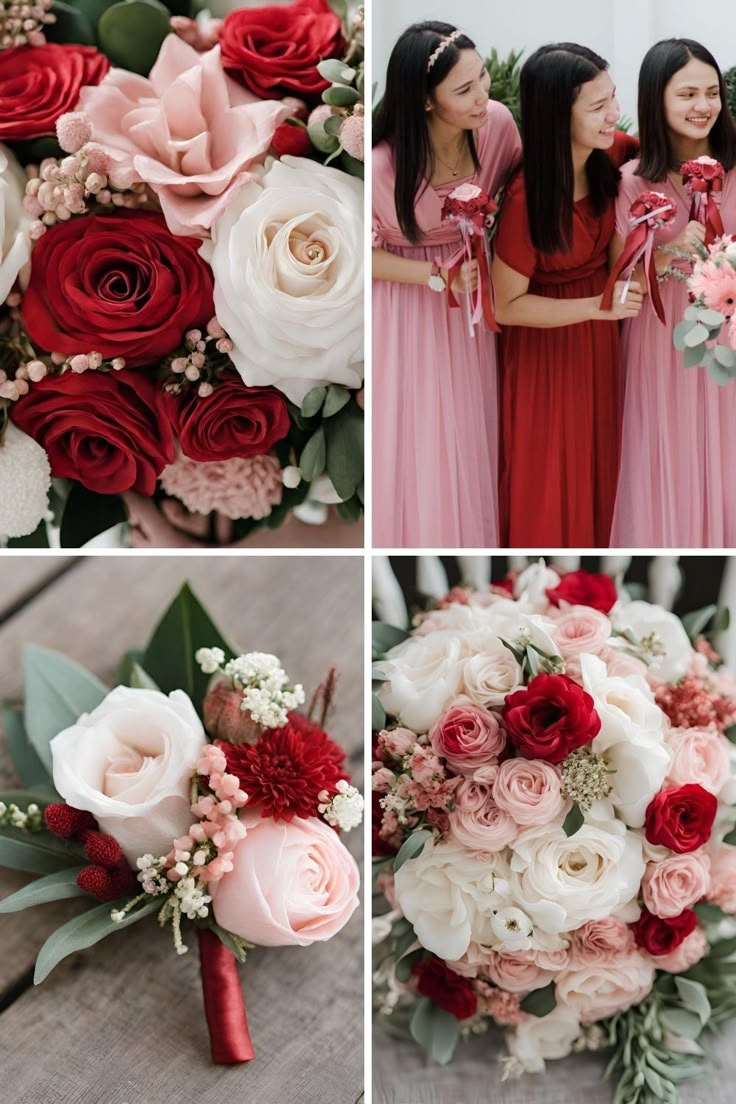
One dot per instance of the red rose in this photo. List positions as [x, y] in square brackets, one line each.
[275, 50]
[234, 420]
[658, 935]
[581, 588]
[446, 988]
[40, 83]
[550, 718]
[121, 285]
[291, 139]
[681, 817]
[102, 428]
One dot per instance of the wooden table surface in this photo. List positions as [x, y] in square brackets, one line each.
[122, 1023]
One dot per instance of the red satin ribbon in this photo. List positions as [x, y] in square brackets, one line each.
[223, 1002]
[639, 243]
[704, 207]
[474, 246]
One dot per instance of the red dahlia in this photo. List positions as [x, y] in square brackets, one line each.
[287, 768]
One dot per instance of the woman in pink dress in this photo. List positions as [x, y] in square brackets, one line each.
[435, 421]
[676, 486]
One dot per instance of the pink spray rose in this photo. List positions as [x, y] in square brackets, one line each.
[676, 883]
[517, 973]
[467, 737]
[700, 755]
[477, 821]
[529, 791]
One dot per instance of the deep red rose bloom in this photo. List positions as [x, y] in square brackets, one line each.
[681, 817]
[658, 935]
[293, 140]
[101, 428]
[40, 83]
[287, 768]
[274, 50]
[550, 718]
[446, 988]
[234, 420]
[581, 588]
[121, 285]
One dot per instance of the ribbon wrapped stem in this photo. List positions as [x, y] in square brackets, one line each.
[223, 1002]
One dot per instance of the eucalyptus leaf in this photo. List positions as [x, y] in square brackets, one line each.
[405, 966]
[34, 853]
[680, 332]
[337, 397]
[351, 165]
[694, 998]
[541, 1001]
[693, 357]
[321, 139]
[131, 33]
[378, 714]
[30, 769]
[54, 887]
[435, 1030]
[573, 821]
[716, 371]
[692, 313]
[385, 637]
[698, 334]
[57, 692]
[713, 319]
[340, 95]
[726, 357]
[335, 71]
[694, 622]
[313, 400]
[84, 931]
[412, 847]
[682, 1022]
[332, 125]
[724, 948]
[313, 457]
[71, 26]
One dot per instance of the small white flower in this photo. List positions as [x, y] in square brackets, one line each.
[209, 659]
[513, 929]
[25, 479]
[345, 809]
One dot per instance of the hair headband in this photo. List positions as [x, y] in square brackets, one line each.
[444, 43]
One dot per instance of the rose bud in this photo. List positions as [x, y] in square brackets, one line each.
[223, 717]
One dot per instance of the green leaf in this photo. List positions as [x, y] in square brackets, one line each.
[709, 914]
[70, 26]
[406, 940]
[716, 371]
[694, 998]
[435, 1030]
[141, 680]
[350, 511]
[681, 1022]
[54, 887]
[405, 966]
[573, 821]
[726, 357]
[336, 71]
[723, 948]
[378, 714]
[340, 8]
[352, 165]
[344, 438]
[698, 334]
[730, 732]
[30, 769]
[730, 837]
[332, 125]
[57, 693]
[86, 514]
[695, 621]
[84, 931]
[227, 940]
[321, 140]
[34, 852]
[680, 332]
[340, 95]
[312, 459]
[385, 637]
[313, 400]
[541, 1001]
[337, 396]
[131, 33]
[126, 664]
[39, 538]
[713, 319]
[169, 656]
[693, 357]
[412, 846]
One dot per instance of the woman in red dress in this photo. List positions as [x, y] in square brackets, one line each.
[559, 365]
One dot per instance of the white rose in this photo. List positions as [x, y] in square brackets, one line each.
[562, 882]
[15, 245]
[645, 619]
[491, 673]
[423, 678]
[287, 257]
[631, 738]
[448, 893]
[541, 1037]
[129, 763]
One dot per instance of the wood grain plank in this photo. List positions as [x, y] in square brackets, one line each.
[24, 576]
[122, 1023]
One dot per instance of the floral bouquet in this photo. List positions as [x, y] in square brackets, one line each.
[473, 212]
[554, 828]
[711, 315]
[648, 212]
[192, 792]
[703, 179]
[181, 277]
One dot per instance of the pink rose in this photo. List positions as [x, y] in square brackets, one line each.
[619, 664]
[581, 630]
[722, 890]
[382, 780]
[676, 883]
[397, 742]
[600, 940]
[465, 192]
[467, 737]
[187, 130]
[551, 960]
[292, 883]
[529, 791]
[477, 821]
[517, 973]
[690, 951]
[595, 990]
[700, 755]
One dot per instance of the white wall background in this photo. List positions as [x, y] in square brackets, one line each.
[620, 30]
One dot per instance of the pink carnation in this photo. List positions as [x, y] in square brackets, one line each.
[503, 1006]
[690, 951]
[243, 487]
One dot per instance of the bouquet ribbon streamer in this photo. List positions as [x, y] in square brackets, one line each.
[639, 246]
[704, 205]
[479, 304]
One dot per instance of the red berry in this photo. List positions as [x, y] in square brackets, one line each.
[65, 821]
[123, 880]
[98, 882]
[102, 850]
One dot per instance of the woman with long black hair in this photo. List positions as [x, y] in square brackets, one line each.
[560, 388]
[435, 436]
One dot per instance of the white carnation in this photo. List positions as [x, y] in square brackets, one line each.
[25, 479]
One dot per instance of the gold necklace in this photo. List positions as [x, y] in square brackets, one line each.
[454, 170]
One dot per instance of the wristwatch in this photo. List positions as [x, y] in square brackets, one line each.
[436, 280]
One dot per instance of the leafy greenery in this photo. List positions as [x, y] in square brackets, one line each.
[412, 847]
[435, 1030]
[84, 931]
[540, 1002]
[54, 887]
[57, 692]
[505, 74]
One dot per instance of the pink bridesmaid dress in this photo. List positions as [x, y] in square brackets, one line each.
[435, 404]
[676, 485]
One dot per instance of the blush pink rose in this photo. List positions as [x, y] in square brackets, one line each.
[619, 664]
[691, 950]
[676, 883]
[465, 192]
[581, 630]
[467, 737]
[397, 742]
[517, 973]
[600, 940]
[722, 890]
[595, 990]
[292, 883]
[529, 790]
[189, 131]
[477, 821]
[699, 755]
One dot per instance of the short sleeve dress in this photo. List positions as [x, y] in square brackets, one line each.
[435, 403]
[560, 400]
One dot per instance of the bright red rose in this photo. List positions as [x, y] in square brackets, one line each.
[658, 935]
[274, 50]
[121, 285]
[40, 83]
[293, 140]
[581, 588]
[681, 817]
[550, 718]
[234, 420]
[446, 988]
[101, 428]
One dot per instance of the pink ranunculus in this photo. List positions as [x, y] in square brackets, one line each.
[529, 790]
[676, 883]
[691, 950]
[596, 990]
[467, 737]
[517, 973]
[292, 882]
[699, 755]
[722, 890]
[189, 131]
[477, 821]
[581, 629]
[599, 940]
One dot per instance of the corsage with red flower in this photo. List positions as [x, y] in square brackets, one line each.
[648, 212]
[703, 179]
[473, 212]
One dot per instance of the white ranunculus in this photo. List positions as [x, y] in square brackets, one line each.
[631, 738]
[129, 763]
[644, 619]
[423, 678]
[15, 245]
[562, 882]
[540, 1037]
[449, 893]
[287, 257]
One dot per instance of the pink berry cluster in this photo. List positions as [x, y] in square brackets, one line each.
[198, 365]
[22, 24]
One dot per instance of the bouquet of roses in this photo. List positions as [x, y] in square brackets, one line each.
[703, 179]
[192, 792]
[648, 212]
[181, 278]
[711, 316]
[554, 828]
[474, 213]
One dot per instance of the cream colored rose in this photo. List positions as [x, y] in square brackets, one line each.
[423, 678]
[15, 245]
[595, 990]
[491, 673]
[540, 1037]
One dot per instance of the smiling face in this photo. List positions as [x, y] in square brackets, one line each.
[692, 101]
[460, 100]
[595, 114]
